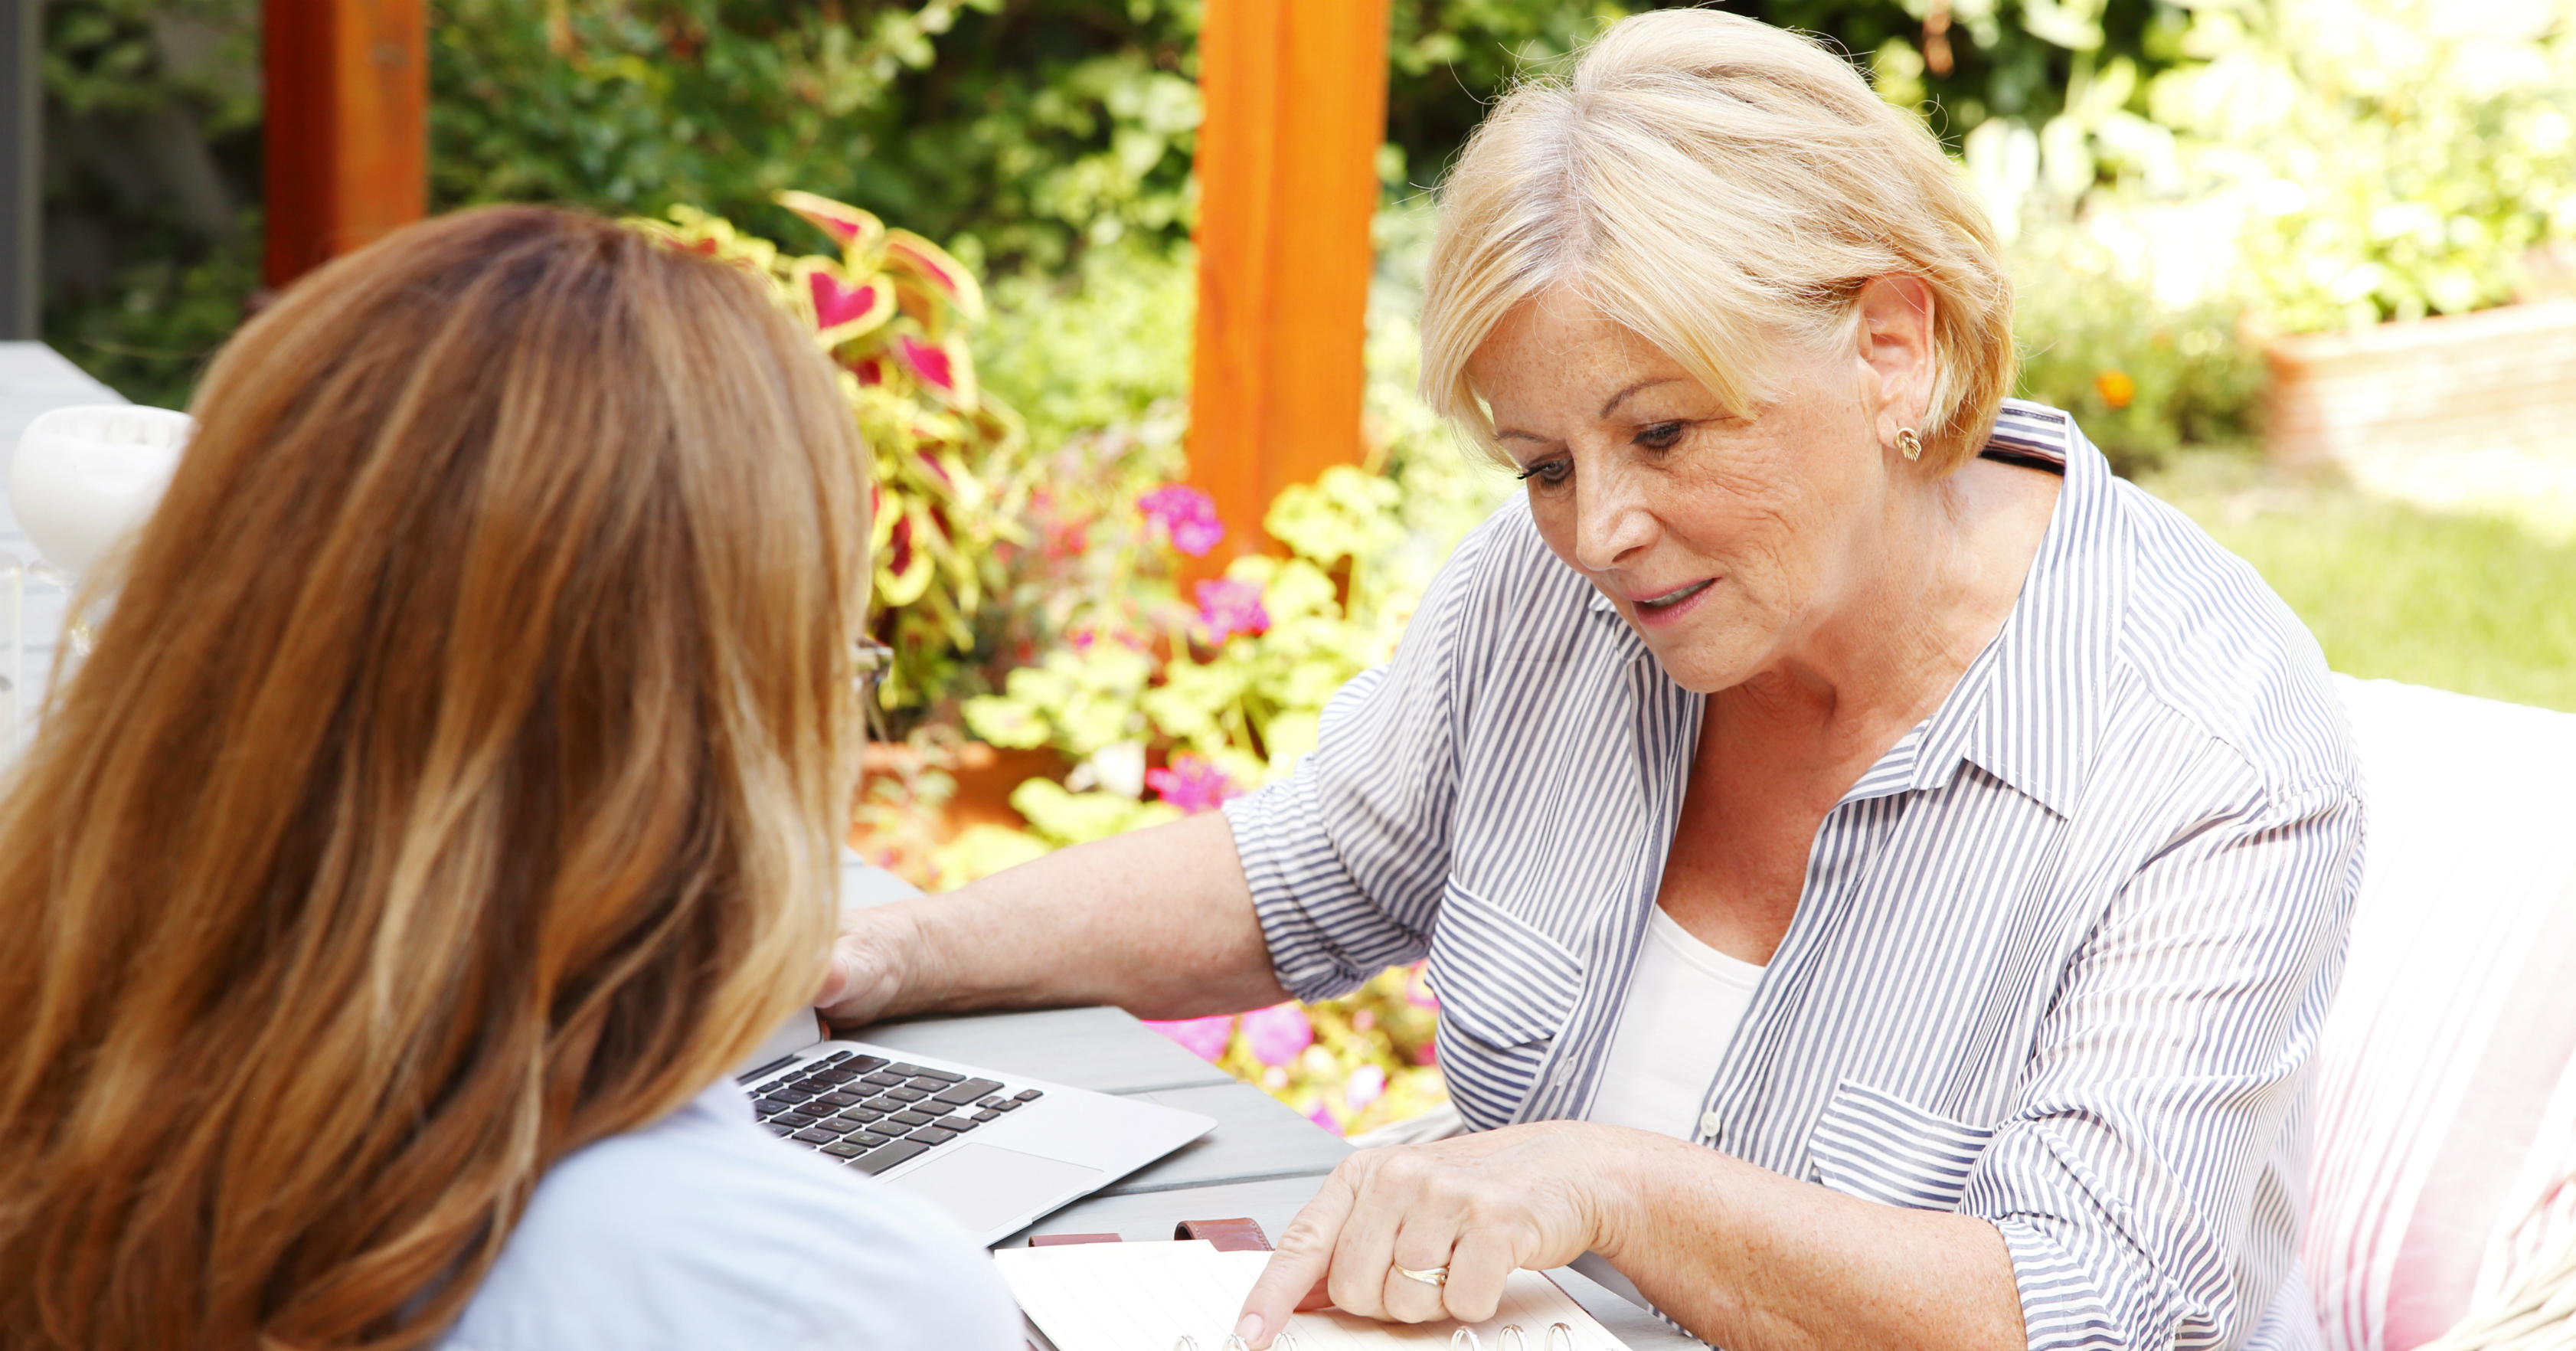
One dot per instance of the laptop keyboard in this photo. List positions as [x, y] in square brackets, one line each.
[873, 1113]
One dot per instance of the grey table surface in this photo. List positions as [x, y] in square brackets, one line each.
[1263, 1161]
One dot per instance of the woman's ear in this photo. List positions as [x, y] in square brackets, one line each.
[1895, 338]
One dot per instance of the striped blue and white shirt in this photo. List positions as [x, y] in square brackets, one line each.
[2060, 957]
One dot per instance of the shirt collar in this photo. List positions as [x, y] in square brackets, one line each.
[2028, 709]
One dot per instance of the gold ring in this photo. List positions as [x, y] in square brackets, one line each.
[1428, 1275]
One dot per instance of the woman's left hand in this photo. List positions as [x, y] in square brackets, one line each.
[1482, 1206]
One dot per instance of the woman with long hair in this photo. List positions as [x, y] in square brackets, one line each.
[448, 801]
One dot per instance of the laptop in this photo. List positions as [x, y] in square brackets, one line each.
[997, 1151]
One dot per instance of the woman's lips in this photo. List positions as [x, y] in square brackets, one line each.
[1671, 605]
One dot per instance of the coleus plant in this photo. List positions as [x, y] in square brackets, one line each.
[951, 474]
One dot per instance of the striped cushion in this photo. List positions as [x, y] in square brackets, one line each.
[2444, 1104]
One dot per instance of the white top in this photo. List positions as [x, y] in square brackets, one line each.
[1683, 1004]
[701, 1231]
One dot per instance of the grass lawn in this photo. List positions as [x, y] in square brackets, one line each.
[2478, 604]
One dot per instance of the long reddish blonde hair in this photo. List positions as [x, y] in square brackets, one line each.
[454, 780]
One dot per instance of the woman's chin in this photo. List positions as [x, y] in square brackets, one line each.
[1705, 666]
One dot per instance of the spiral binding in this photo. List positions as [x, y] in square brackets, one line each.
[1513, 1339]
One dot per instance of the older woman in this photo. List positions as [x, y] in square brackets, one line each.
[1883, 874]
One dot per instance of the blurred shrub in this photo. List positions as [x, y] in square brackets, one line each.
[1020, 134]
[149, 327]
[2388, 158]
[2326, 162]
[1097, 346]
[152, 240]
[2141, 376]
[1349, 1065]
[1016, 131]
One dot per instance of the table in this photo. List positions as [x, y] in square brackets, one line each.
[1263, 1160]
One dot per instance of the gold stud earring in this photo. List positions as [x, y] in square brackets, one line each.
[1908, 444]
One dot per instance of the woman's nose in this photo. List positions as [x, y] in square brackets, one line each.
[1612, 521]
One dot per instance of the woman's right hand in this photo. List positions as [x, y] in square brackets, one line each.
[871, 958]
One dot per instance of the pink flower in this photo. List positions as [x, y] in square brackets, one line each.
[1193, 783]
[1417, 988]
[1185, 514]
[1324, 1118]
[1277, 1034]
[1366, 1085]
[1202, 1037]
[1228, 608]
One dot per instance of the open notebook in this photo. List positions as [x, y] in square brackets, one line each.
[1148, 1296]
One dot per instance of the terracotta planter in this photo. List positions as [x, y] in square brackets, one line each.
[2471, 409]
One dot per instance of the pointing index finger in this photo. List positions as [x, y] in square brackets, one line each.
[1297, 1268]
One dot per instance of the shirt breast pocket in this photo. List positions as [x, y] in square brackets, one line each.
[1879, 1147]
[1506, 988]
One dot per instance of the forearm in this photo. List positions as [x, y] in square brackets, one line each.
[1159, 922]
[1749, 1259]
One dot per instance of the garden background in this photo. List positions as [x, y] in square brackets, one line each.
[2181, 184]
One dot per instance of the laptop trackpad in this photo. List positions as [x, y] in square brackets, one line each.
[986, 1185]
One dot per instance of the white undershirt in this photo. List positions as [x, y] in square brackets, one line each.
[1683, 1004]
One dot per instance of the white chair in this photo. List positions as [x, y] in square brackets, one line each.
[2443, 1186]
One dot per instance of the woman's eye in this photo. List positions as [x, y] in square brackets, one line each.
[1660, 435]
[1548, 473]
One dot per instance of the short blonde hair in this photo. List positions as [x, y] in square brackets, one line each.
[1719, 186]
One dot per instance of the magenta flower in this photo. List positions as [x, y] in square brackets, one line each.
[1227, 608]
[1367, 1085]
[1201, 1037]
[1324, 1118]
[1417, 988]
[1187, 515]
[1193, 783]
[1277, 1034]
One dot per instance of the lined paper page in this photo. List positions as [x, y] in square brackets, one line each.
[1147, 1296]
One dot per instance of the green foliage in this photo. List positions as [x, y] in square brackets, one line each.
[1098, 347]
[1017, 131]
[140, 56]
[139, 291]
[2391, 158]
[1059, 816]
[161, 317]
[1450, 58]
[1027, 132]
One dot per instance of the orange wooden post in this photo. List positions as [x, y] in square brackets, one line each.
[347, 126]
[1295, 98]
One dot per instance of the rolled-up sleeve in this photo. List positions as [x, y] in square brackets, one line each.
[1347, 855]
[2133, 1185]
